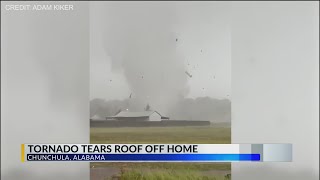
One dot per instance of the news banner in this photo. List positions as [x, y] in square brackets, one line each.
[157, 152]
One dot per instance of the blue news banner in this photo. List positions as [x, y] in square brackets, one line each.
[140, 152]
[144, 157]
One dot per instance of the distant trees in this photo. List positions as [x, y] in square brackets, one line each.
[202, 108]
[103, 108]
[97, 107]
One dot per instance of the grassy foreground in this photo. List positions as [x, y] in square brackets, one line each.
[168, 175]
[174, 135]
[158, 135]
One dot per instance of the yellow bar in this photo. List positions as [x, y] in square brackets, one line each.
[22, 152]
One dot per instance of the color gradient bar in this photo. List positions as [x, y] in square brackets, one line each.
[22, 152]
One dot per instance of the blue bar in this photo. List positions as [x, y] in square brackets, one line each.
[144, 157]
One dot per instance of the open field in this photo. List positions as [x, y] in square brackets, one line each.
[174, 135]
[169, 175]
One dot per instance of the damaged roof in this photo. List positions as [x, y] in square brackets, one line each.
[136, 114]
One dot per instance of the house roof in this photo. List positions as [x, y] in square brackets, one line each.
[97, 117]
[135, 114]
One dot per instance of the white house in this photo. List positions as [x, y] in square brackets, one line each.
[139, 116]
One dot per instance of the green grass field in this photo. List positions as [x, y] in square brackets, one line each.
[158, 135]
[168, 175]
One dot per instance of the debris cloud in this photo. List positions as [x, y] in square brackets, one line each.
[144, 49]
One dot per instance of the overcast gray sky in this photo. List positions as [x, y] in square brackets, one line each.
[126, 35]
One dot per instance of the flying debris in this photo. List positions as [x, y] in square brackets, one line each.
[147, 108]
[176, 39]
[187, 73]
[118, 111]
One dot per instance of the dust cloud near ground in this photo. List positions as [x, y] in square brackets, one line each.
[202, 108]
